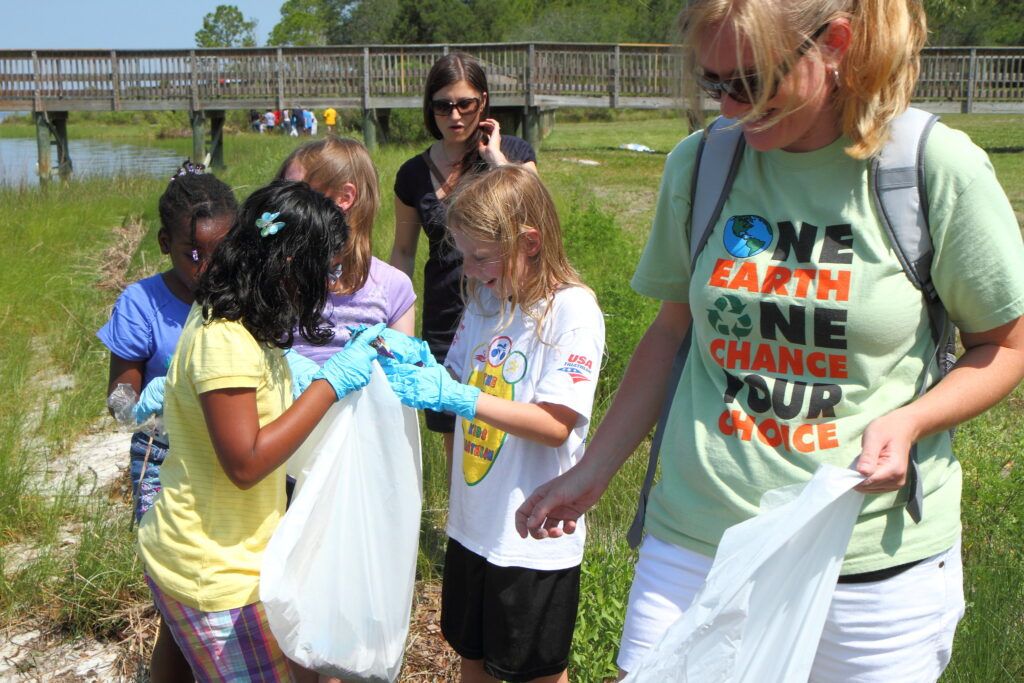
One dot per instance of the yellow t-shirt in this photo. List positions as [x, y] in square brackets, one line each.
[202, 541]
[330, 116]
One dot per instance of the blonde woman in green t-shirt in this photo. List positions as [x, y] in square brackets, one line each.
[809, 341]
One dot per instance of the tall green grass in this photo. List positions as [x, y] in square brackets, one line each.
[50, 264]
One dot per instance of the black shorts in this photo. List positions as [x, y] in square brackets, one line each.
[443, 423]
[518, 621]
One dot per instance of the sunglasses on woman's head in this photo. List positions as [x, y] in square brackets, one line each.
[747, 87]
[465, 105]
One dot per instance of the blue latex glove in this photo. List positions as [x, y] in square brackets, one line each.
[432, 388]
[303, 369]
[151, 401]
[349, 369]
[406, 349]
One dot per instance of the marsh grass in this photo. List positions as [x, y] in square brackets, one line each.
[58, 279]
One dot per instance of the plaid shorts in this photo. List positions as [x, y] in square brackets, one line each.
[233, 645]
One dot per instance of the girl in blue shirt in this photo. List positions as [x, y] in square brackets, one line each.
[196, 211]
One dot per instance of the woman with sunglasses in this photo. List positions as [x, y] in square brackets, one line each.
[456, 113]
[799, 266]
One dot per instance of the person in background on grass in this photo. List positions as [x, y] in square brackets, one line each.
[232, 423]
[309, 121]
[525, 362]
[330, 119]
[456, 113]
[815, 85]
[196, 211]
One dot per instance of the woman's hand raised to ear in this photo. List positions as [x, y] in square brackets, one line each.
[490, 143]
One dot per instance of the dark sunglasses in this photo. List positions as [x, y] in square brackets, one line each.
[466, 105]
[747, 87]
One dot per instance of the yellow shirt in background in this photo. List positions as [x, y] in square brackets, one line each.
[330, 116]
[202, 541]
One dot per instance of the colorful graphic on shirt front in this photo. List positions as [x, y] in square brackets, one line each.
[747, 236]
[783, 385]
[494, 365]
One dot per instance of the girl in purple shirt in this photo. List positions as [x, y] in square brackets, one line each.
[367, 290]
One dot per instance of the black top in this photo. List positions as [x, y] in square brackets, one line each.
[442, 275]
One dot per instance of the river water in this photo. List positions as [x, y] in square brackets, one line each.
[90, 158]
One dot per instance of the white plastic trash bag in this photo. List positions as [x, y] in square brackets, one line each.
[759, 616]
[338, 573]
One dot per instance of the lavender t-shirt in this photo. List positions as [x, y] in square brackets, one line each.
[385, 297]
[145, 325]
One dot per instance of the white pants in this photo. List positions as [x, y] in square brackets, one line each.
[899, 630]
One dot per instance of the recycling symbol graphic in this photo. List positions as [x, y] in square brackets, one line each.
[729, 316]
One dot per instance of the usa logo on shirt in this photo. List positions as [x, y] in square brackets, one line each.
[578, 367]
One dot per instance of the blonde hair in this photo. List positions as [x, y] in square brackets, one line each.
[498, 206]
[327, 165]
[876, 76]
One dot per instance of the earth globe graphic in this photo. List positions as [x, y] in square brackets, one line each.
[746, 236]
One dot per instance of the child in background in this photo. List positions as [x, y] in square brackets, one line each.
[196, 211]
[232, 424]
[528, 350]
[367, 290]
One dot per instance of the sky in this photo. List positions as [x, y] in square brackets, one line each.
[119, 24]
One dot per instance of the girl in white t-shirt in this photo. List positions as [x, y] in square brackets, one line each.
[525, 361]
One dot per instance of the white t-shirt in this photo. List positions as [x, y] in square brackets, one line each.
[492, 471]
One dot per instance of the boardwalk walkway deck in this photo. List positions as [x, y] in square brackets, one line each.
[523, 77]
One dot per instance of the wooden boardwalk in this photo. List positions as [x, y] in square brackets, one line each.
[391, 76]
[524, 79]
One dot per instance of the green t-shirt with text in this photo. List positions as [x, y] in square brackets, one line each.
[806, 329]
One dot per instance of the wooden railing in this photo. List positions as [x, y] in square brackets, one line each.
[390, 76]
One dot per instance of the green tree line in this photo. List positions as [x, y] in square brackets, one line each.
[360, 22]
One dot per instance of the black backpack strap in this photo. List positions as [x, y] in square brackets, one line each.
[718, 158]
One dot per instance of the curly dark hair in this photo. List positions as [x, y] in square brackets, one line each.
[193, 195]
[277, 284]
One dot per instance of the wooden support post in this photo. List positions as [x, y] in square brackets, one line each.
[198, 137]
[615, 82]
[510, 120]
[115, 82]
[547, 122]
[59, 123]
[217, 138]
[532, 127]
[370, 127]
[531, 113]
[43, 146]
[369, 115]
[972, 76]
[531, 73]
[193, 87]
[280, 79]
[383, 125]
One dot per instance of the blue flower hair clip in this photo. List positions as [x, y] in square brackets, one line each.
[267, 225]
